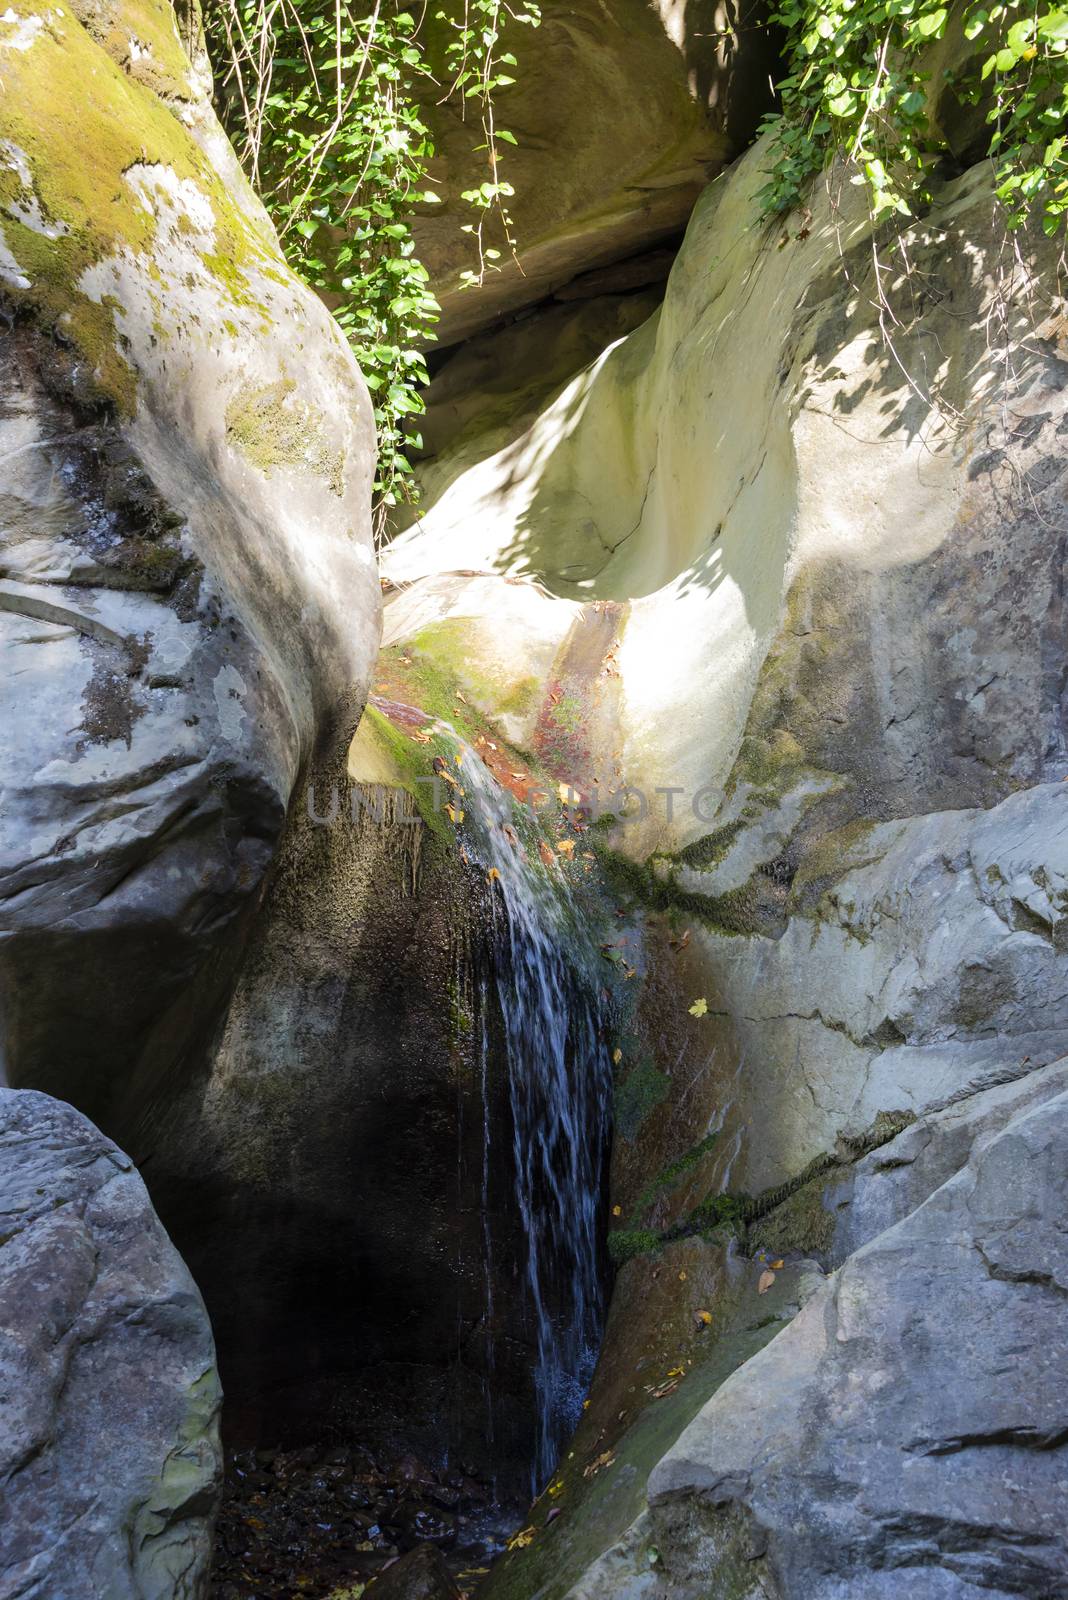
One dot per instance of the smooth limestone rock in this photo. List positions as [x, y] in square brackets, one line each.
[622, 114]
[188, 600]
[803, 559]
[109, 1401]
[766, 516]
[906, 1430]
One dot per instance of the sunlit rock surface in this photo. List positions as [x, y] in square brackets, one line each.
[810, 577]
[188, 601]
[621, 115]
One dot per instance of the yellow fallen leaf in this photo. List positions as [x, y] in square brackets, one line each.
[566, 847]
[775, 1266]
[682, 1277]
[454, 814]
[617, 1211]
[617, 1056]
[520, 1540]
[704, 1318]
[491, 874]
[699, 1007]
[765, 1283]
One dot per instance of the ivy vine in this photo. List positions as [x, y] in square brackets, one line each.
[323, 105]
[858, 86]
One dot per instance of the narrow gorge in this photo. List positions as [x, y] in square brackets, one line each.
[533, 1007]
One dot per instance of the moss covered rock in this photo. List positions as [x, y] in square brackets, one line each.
[188, 600]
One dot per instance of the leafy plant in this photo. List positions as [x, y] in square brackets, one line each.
[472, 56]
[323, 106]
[857, 87]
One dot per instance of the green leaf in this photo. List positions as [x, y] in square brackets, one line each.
[933, 24]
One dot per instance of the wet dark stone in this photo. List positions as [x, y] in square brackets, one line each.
[424, 1524]
[311, 1522]
[420, 1575]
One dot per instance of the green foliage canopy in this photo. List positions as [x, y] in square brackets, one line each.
[858, 85]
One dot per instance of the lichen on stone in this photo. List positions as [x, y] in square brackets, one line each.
[273, 429]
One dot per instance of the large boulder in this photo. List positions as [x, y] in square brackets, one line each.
[907, 1428]
[188, 605]
[621, 116]
[109, 1400]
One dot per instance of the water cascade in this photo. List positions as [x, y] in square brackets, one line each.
[559, 1084]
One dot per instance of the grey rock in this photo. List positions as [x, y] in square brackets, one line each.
[906, 1428]
[110, 1464]
[884, 1186]
[586, 198]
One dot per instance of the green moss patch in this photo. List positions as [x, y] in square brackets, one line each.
[637, 1096]
[734, 911]
[445, 646]
[78, 125]
[626, 1243]
[801, 1223]
[272, 428]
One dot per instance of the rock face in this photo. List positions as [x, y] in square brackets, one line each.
[688, 85]
[793, 650]
[811, 582]
[188, 603]
[332, 1261]
[907, 1427]
[109, 1446]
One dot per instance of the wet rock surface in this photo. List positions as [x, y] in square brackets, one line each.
[420, 1575]
[322, 1521]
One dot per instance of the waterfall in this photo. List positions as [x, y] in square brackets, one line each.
[549, 990]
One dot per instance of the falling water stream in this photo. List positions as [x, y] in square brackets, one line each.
[550, 993]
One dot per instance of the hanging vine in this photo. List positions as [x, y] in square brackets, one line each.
[858, 87]
[323, 105]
